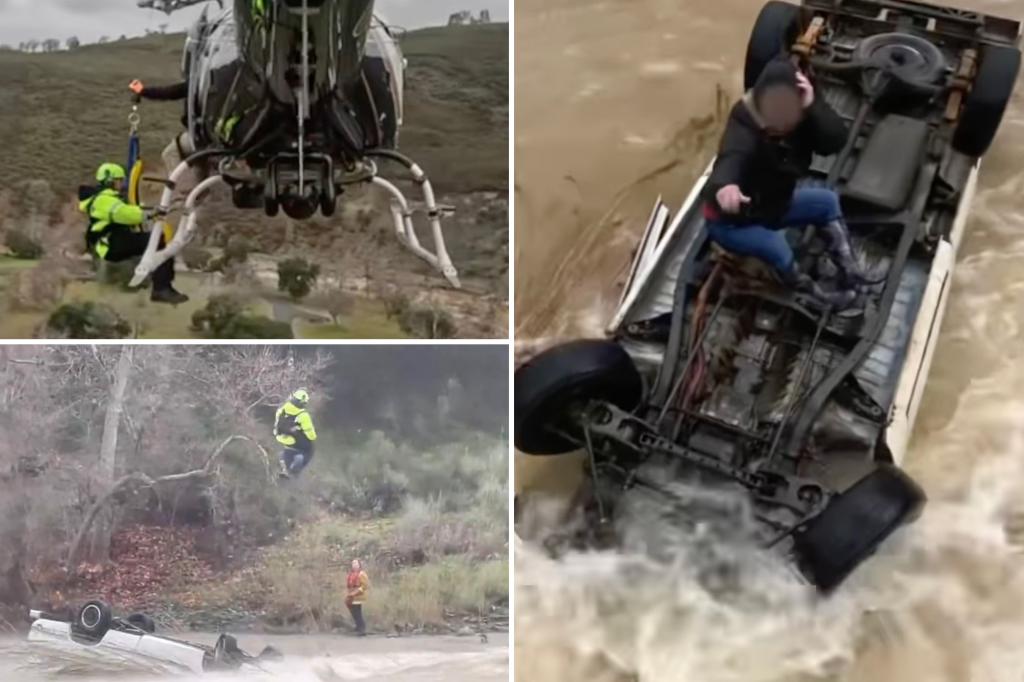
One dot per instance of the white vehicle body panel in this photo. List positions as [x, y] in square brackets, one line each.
[119, 644]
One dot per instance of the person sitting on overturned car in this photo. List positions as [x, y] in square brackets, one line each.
[752, 194]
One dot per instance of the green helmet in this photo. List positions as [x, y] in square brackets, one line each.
[300, 397]
[109, 172]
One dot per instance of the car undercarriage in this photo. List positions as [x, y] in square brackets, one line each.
[715, 376]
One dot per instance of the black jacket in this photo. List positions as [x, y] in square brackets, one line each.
[765, 167]
[168, 93]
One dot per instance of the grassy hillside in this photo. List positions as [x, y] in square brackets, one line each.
[61, 114]
[64, 113]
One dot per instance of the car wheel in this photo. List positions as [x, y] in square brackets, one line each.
[775, 30]
[854, 524]
[143, 622]
[986, 102]
[549, 386]
[93, 619]
[328, 201]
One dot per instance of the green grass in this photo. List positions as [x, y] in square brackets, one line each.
[422, 594]
[9, 264]
[367, 321]
[302, 578]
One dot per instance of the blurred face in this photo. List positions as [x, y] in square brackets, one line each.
[356, 565]
[118, 184]
[780, 109]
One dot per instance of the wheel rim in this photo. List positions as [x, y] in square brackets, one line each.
[912, 59]
[91, 616]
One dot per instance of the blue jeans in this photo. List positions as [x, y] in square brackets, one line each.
[811, 206]
[297, 457]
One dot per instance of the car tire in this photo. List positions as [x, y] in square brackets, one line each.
[143, 622]
[854, 524]
[775, 30]
[563, 376]
[93, 619]
[986, 103]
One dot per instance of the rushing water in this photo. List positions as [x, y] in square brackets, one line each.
[609, 100]
[307, 658]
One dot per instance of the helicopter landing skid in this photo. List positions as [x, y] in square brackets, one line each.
[401, 214]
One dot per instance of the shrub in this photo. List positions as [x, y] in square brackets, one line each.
[88, 321]
[224, 318]
[196, 258]
[237, 249]
[23, 246]
[422, 594]
[256, 327]
[219, 311]
[428, 323]
[395, 303]
[336, 302]
[120, 274]
[297, 276]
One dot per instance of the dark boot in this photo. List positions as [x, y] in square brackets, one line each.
[803, 283]
[168, 294]
[837, 238]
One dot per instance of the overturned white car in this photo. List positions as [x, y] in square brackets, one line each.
[95, 634]
[715, 377]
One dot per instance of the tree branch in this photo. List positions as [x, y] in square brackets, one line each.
[141, 480]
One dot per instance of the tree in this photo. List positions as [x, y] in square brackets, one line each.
[140, 480]
[108, 447]
[297, 276]
[31, 45]
[51, 45]
[163, 28]
[73, 43]
[103, 40]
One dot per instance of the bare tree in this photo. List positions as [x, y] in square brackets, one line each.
[140, 480]
[73, 43]
[163, 28]
[100, 546]
[51, 45]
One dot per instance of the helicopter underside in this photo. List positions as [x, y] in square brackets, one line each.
[292, 131]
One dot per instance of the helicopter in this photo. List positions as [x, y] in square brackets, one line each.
[290, 103]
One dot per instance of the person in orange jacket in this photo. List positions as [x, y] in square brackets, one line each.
[358, 584]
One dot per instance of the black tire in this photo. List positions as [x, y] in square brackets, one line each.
[93, 619]
[143, 622]
[328, 201]
[549, 384]
[855, 524]
[246, 197]
[775, 30]
[986, 102]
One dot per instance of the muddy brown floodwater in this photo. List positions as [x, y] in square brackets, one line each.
[307, 658]
[612, 106]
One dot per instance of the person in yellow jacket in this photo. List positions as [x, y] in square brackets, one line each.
[115, 230]
[357, 584]
[293, 428]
